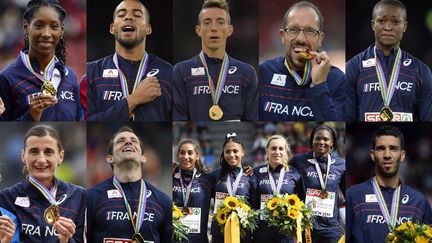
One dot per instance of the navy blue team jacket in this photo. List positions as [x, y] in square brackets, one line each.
[108, 219]
[18, 85]
[28, 205]
[328, 227]
[15, 238]
[262, 182]
[105, 100]
[192, 96]
[413, 92]
[200, 196]
[245, 190]
[365, 222]
[281, 98]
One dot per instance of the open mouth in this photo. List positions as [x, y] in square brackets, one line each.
[128, 28]
[128, 149]
[39, 167]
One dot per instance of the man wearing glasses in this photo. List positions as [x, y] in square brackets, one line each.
[302, 85]
[385, 83]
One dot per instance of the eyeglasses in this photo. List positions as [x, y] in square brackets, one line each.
[310, 33]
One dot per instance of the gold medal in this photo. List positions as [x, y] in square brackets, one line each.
[48, 89]
[323, 194]
[386, 114]
[52, 214]
[215, 112]
[137, 238]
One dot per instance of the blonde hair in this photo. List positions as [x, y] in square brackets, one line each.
[288, 154]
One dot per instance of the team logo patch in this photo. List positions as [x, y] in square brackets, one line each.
[407, 62]
[278, 79]
[370, 198]
[110, 73]
[114, 194]
[62, 199]
[405, 199]
[369, 63]
[232, 70]
[197, 71]
[153, 72]
[22, 202]
[263, 170]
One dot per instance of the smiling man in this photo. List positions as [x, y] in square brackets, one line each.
[302, 84]
[385, 83]
[384, 201]
[126, 208]
[131, 84]
[213, 85]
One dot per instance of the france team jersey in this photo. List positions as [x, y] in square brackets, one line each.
[282, 99]
[108, 219]
[28, 204]
[105, 100]
[245, 190]
[198, 204]
[326, 212]
[192, 95]
[15, 238]
[412, 99]
[264, 192]
[365, 222]
[18, 86]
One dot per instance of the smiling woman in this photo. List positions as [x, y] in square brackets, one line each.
[39, 86]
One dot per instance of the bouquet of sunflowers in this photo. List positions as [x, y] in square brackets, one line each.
[287, 212]
[410, 232]
[237, 206]
[179, 230]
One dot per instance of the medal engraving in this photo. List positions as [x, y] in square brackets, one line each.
[52, 214]
[215, 112]
[386, 114]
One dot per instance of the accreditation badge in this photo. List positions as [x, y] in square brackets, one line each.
[219, 198]
[192, 220]
[322, 203]
[263, 201]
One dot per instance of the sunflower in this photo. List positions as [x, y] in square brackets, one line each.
[428, 232]
[293, 200]
[221, 217]
[293, 214]
[402, 227]
[176, 212]
[272, 203]
[421, 239]
[231, 202]
[245, 207]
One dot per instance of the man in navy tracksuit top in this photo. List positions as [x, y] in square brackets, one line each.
[126, 207]
[294, 88]
[28, 204]
[384, 65]
[131, 84]
[18, 86]
[199, 199]
[321, 172]
[213, 85]
[369, 204]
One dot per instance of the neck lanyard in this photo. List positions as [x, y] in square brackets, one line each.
[390, 218]
[323, 182]
[306, 72]
[141, 70]
[232, 189]
[276, 188]
[47, 72]
[186, 194]
[216, 92]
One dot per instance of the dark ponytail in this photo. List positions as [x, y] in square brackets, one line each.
[225, 168]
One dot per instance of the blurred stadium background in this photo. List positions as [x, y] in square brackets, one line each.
[416, 170]
[12, 36]
[73, 135]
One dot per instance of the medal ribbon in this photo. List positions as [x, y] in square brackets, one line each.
[142, 203]
[50, 195]
[388, 91]
[306, 72]
[216, 93]
[323, 182]
[186, 194]
[232, 189]
[140, 73]
[47, 73]
[276, 188]
[392, 217]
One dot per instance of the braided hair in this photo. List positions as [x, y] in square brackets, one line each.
[29, 13]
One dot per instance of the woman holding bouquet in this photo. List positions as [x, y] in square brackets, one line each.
[192, 190]
[321, 174]
[230, 182]
[271, 179]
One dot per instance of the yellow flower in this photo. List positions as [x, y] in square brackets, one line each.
[275, 213]
[421, 239]
[245, 207]
[293, 214]
[403, 227]
[428, 232]
[231, 202]
[176, 215]
[176, 212]
[293, 200]
[272, 203]
[221, 217]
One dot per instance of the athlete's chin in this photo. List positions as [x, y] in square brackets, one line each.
[40, 176]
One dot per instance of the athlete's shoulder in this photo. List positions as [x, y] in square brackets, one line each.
[260, 169]
[100, 63]
[364, 55]
[72, 187]
[157, 61]
[415, 193]
[270, 63]
[99, 188]
[186, 64]
[158, 194]
[360, 189]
